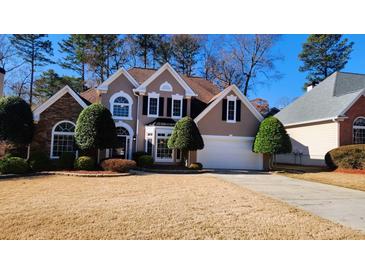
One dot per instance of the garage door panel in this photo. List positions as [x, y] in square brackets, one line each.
[229, 153]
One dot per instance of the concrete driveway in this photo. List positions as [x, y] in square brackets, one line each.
[341, 205]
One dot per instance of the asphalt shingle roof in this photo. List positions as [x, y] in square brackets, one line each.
[326, 100]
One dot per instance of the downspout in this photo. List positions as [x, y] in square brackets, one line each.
[137, 124]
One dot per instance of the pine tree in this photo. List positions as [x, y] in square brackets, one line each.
[76, 54]
[50, 82]
[324, 54]
[163, 50]
[185, 48]
[146, 45]
[35, 50]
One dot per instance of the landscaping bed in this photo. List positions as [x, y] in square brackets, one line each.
[151, 207]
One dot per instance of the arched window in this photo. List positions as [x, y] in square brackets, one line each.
[121, 107]
[359, 131]
[121, 131]
[63, 139]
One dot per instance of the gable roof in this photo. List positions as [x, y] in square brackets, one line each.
[166, 67]
[223, 94]
[55, 97]
[203, 88]
[329, 100]
[105, 85]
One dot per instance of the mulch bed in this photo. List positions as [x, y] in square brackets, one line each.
[89, 171]
[351, 171]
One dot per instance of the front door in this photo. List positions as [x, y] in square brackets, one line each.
[163, 153]
[122, 148]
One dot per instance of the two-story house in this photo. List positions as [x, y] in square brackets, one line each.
[145, 105]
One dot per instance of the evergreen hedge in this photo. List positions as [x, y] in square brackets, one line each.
[16, 121]
[346, 157]
[95, 128]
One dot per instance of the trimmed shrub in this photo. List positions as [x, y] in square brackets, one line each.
[66, 160]
[85, 163]
[13, 165]
[145, 161]
[347, 157]
[186, 136]
[39, 161]
[138, 154]
[196, 166]
[16, 120]
[95, 128]
[117, 165]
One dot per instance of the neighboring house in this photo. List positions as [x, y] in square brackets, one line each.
[145, 105]
[330, 115]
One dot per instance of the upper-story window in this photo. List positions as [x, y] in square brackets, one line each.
[153, 104]
[176, 108]
[166, 86]
[121, 106]
[359, 130]
[231, 109]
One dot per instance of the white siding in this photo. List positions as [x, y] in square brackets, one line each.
[312, 142]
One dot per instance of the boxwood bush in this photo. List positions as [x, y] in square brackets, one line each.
[39, 161]
[84, 163]
[13, 165]
[145, 161]
[346, 157]
[117, 165]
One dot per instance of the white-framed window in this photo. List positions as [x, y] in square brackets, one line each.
[121, 106]
[63, 139]
[163, 153]
[153, 104]
[166, 86]
[358, 130]
[231, 109]
[176, 107]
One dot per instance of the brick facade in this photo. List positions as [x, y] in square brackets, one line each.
[357, 109]
[66, 108]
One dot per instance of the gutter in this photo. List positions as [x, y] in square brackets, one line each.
[332, 119]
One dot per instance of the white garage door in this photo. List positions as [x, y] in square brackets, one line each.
[228, 152]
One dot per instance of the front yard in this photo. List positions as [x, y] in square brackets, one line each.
[321, 175]
[151, 207]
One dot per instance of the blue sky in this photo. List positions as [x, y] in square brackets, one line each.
[290, 85]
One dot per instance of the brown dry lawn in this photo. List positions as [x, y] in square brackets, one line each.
[151, 207]
[354, 181]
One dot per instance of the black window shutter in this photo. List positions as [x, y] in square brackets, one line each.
[145, 105]
[184, 107]
[224, 110]
[160, 107]
[238, 110]
[169, 105]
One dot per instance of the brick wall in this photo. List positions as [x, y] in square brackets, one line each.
[358, 109]
[66, 108]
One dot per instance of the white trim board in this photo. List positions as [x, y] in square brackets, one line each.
[105, 85]
[54, 98]
[223, 94]
[168, 67]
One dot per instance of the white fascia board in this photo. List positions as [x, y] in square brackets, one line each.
[168, 67]
[343, 112]
[105, 85]
[329, 119]
[54, 98]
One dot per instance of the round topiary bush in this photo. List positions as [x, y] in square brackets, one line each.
[66, 160]
[95, 128]
[84, 163]
[196, 166]
[145, 161]
[16, 120]
[39, 161]
[13, 165]
[137, 154]
[117, 165]
[346, 157]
